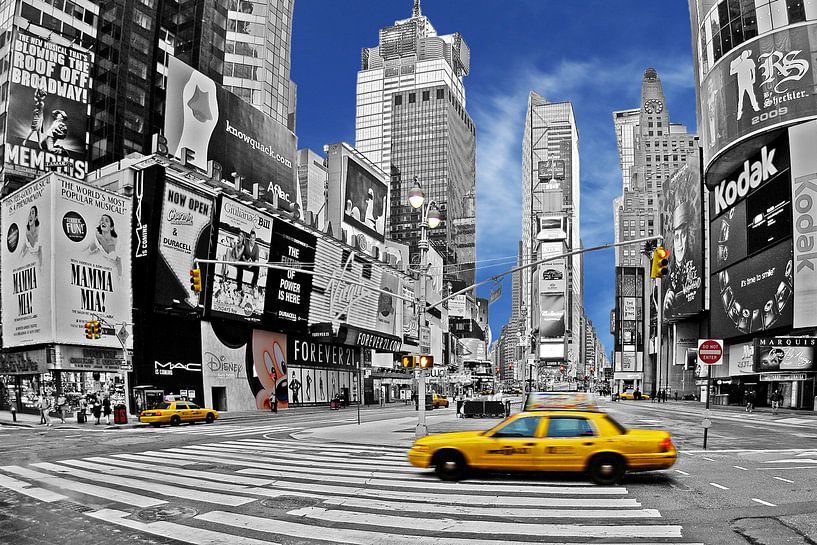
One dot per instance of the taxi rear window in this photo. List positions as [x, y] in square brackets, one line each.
[162, 405]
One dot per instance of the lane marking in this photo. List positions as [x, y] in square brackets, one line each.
[31, 491]
[784, 480]
[708, 459]
[727, 451]
[764, 502]
[784, 468]
[681, 472]
[716, 485]
[741, 468]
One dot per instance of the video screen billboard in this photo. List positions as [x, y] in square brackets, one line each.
[761, 84]
[214, 124]
[784, 354]
[184, 234]
[682, 224]
[243, 234]
[288, 292]
[768, 215]
[47, 123]
[365, 201]
[753, 295]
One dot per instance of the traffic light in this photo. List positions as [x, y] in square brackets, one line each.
[195, 280]
[89, 330]
[409, 361]
[426, 361]
[95, 329]
[660, 261]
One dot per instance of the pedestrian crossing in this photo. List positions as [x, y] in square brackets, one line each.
[253, 491]
[222, 430]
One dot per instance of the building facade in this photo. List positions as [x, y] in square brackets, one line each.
[411, 121]
[550, 212]
[756, 110]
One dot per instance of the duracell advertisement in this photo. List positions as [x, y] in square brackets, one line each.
[753, 295]
[288, 291]
[752, 206]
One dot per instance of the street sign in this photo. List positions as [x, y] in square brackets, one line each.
[710, 351]
[126, 366]
[122, 335]
[706, 423]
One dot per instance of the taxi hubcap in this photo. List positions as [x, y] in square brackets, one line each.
[450, 465]
[606, 469]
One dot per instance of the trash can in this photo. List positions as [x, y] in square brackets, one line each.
[81, 417]
[120, 415]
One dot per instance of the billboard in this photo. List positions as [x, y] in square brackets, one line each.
[753, 295]
[784, 354]
[551, 315]
[288, 291]
[184, 234]
[243, 234]
[764, 83]
[365, 201]
[804, 221]
[681, 221]
[211, 123]
[87, 254]
[552, 228]
[47, 124]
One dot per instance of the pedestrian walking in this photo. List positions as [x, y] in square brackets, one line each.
[96, 409]
[273, 402]
[61, 403]
[750, 401]
[665, 395]
[106, 409]
[41, 408]
[47, 406]
[776, 398]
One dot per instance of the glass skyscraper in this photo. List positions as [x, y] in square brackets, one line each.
[411, 121]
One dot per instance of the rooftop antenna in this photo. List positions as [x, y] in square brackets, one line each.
[416, 11]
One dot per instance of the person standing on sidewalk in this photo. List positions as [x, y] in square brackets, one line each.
[41, 407]
[47, 409]
[96, 409]
[750, 401]
[61, 402]
[273, 402]
[776, 398]
[106, 409]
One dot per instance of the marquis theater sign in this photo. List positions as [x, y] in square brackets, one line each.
[784, 354]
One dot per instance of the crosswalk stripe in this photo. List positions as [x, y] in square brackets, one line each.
[204, 475]
[168, 461]
[164, 490]
[494, 527]
[322, 451]
[323, 446]
[225, 430]
[23, 487]
[353, 536]
[208, 449]
[179, 532]
[112, 494]
[437, 508]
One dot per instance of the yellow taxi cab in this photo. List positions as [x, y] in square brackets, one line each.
[438, 400]
[556, 431]
[176, 412]
[630, 394]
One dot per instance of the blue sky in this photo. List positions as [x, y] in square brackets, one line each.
[590, 52]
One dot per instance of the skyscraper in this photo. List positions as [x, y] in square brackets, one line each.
[411, 121]
[550, 189]
[241, 44]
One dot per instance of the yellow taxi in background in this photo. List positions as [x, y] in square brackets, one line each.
[630, 394]
[556, 431]
[438, 400]
[176, 412]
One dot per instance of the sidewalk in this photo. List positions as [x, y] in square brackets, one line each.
[698, 405]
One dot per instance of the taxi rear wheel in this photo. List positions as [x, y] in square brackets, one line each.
[450, 465]
[175, 420]
[209, 418]
[606, 469]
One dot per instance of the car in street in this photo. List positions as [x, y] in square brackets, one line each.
[631, 395]
[439, 400]
[177, 412]
[555, 431]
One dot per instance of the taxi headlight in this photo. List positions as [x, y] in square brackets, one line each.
[420, 448]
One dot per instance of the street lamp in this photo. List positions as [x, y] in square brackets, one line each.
[430, 218]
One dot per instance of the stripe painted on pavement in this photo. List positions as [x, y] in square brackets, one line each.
[141, 456]
[764, 502]
[437, 508]
[716, 485]
[205, 475]
[784, 480]
[25, 488]
[741, 468]
[211, 448]
[179, 532]
[355, 537]
[681, 472]
[127, 498]
[339, 446]
[158, 488]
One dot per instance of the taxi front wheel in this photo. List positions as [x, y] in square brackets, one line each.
[450, 466]
[606, 469]
[210, 417]
[175, 420]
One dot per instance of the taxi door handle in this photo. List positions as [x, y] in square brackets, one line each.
[588, 444]
[530, 444]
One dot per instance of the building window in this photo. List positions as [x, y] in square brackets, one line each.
[440, 94]
[412, 98]
[426, 95]
[398, 100]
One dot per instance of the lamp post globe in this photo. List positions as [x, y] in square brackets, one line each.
[416, 197]
[433, 218]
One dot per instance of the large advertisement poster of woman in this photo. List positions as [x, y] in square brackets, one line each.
[365, 201]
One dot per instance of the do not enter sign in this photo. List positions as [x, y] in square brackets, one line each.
[710, 351]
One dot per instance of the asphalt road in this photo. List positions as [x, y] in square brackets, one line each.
[220, 484]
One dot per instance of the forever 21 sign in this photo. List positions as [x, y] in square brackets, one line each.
[288, 292]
